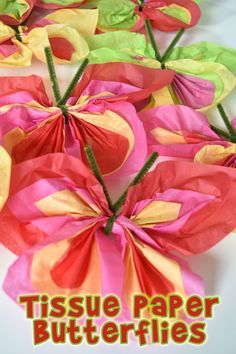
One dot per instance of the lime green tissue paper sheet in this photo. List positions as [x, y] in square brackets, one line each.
[115, 15]
[119, 46]
[15, 8]
[177, 12]
[207, 52]
[218, 74]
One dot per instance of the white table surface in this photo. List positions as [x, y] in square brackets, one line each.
[217, 267]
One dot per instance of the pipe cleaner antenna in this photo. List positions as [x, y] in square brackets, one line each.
[222, 133]
[110, 223]
[226, 120]
[152, 39]
[172, 45]
[97, 172]
[149, 30]
[18, 36]
[52, 73]
[17, 28]
[61, 101]
[74, 82]
[137, 179]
